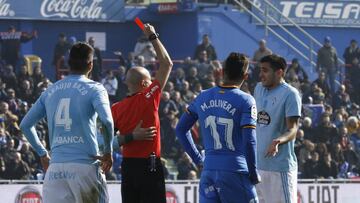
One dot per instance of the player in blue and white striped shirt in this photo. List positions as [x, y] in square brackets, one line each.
[71, 107]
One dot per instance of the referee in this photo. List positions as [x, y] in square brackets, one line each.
[142, 172]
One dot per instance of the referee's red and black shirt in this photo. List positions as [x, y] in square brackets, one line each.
[128, 113]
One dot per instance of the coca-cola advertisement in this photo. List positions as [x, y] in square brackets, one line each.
[74, 10]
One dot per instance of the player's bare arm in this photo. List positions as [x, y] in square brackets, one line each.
[165, 62]
[292, 124]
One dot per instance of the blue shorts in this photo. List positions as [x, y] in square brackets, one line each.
[226, 187]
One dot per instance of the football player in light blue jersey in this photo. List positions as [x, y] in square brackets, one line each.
[227, 118]
[279, 110]
[71, 107]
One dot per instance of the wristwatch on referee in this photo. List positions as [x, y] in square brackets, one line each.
[153, 36]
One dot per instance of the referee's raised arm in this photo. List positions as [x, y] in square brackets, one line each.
[165, 62]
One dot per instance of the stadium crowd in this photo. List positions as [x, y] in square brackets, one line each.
[327, 144]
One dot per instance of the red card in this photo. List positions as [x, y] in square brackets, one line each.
[139, 23]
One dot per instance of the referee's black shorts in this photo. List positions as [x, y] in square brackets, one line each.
[139, 184]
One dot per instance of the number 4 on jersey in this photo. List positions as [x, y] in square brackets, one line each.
[62, 115]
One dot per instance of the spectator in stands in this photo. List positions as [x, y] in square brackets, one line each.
[111, 85]
[209, 81]
[197, 88]
[339, 120]
[321, 82]
[23, 109]
[140, 61]
[26, 92]
[351, 54]
[204, 64]
[141, 45]
[207, 47]
[299, 71]
[12, 100]
[44, 84]
[11, 42]
[9, 77]
[307, 128]
[341, 98]
[169, 87]
[28, 156]
[97, 61]
[258, 55]
[353, 124]
[130, 60]
[192, 76]
[178, 78]
[327, 62]
[3, 138]
[311, 167]
[122, 89]
[2, 168]
[23, 74]
[352, 157]
[187, 94]
[3, 94]
[326, 131]
[321, 149]
[170, 146]
[299, 141]
[317, 94]
[192, 175]
[61, 49]
[148, 53]
[355, 139]
[17, 169]
[337, 153]
[9, 119]
[167, 105]
[355, 110]
[184, 166]
[343, 138]
[292, 78]
[179, 102]
[354, 80]
[188, 63]
[328, 168]
[37, 75]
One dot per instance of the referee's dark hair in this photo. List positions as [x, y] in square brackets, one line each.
[80, 57]
[236, 66]
[276, 62]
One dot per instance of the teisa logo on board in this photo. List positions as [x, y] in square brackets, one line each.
[83, 9]
[5, 9]
[28, 194]
[325, 10]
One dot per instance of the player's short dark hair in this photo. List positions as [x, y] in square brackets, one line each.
[236, 66]
[276, 62]
[80, 56]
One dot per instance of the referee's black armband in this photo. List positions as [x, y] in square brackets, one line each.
[128, 138]
[125, 139]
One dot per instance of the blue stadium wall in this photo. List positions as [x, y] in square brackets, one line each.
[180, 32]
